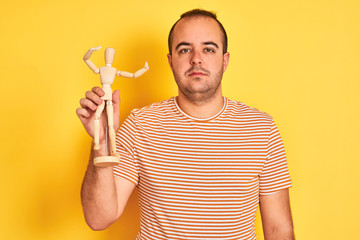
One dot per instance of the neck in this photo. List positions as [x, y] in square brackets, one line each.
[204, 109]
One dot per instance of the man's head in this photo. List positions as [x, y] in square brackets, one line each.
[199, 13]
[197, 57]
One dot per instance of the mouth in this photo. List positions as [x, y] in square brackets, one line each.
[196, 74]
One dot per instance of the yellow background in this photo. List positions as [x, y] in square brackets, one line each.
[296, 60]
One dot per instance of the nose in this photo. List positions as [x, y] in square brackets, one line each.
[196, 58]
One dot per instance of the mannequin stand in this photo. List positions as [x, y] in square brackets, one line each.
[106, 161]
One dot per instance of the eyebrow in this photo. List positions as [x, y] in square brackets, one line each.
[188, 44]
[211, 43]
[182, 44]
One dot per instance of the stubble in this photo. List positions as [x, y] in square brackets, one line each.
[203, 94]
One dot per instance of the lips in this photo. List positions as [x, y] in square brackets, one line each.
[197, 74]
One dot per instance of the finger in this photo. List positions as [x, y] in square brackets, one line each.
[93, 97]
[116, 97]
[98, 91]
[86, 103]
[82, 113]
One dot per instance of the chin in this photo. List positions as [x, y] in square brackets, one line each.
[199, 96]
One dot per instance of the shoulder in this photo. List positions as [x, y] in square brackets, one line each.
[241, 110]
[154, 110]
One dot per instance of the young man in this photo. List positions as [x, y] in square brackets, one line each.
[201, 162]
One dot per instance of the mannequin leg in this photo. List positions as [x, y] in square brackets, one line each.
[110, 116]
[97, 125]
[105, 161]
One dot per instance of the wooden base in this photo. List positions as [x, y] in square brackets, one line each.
[106, 161]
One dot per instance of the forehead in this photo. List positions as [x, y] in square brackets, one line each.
[196, 30]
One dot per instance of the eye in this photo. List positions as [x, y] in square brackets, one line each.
[209, 50]
[184, 50]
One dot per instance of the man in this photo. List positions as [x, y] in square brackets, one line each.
[201, 162]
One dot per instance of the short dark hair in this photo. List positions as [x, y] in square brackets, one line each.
[200, 13]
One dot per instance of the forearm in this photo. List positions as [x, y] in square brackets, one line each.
[276, 216]
[285, 233]
[98, 195]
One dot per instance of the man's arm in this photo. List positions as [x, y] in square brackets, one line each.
[276, 216]
[103, 196]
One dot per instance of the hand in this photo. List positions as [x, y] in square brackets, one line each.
[146, 65]
[95, 48]
[89, 104]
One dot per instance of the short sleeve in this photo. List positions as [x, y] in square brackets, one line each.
[125, 140]
[275, 174]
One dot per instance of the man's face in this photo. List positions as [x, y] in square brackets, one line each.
[197, 60]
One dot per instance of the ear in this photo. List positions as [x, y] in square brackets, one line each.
[226, 60]
[170, 61]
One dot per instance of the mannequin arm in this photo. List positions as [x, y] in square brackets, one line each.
[87, 60]
[138, 73]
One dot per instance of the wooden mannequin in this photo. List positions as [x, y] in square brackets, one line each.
[107, 76]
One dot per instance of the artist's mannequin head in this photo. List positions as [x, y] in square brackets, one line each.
[109, 56]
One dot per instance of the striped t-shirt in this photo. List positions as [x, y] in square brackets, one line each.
[200, 178]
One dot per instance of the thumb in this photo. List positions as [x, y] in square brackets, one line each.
[116, 106]
[116, 101]
[116, 97]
